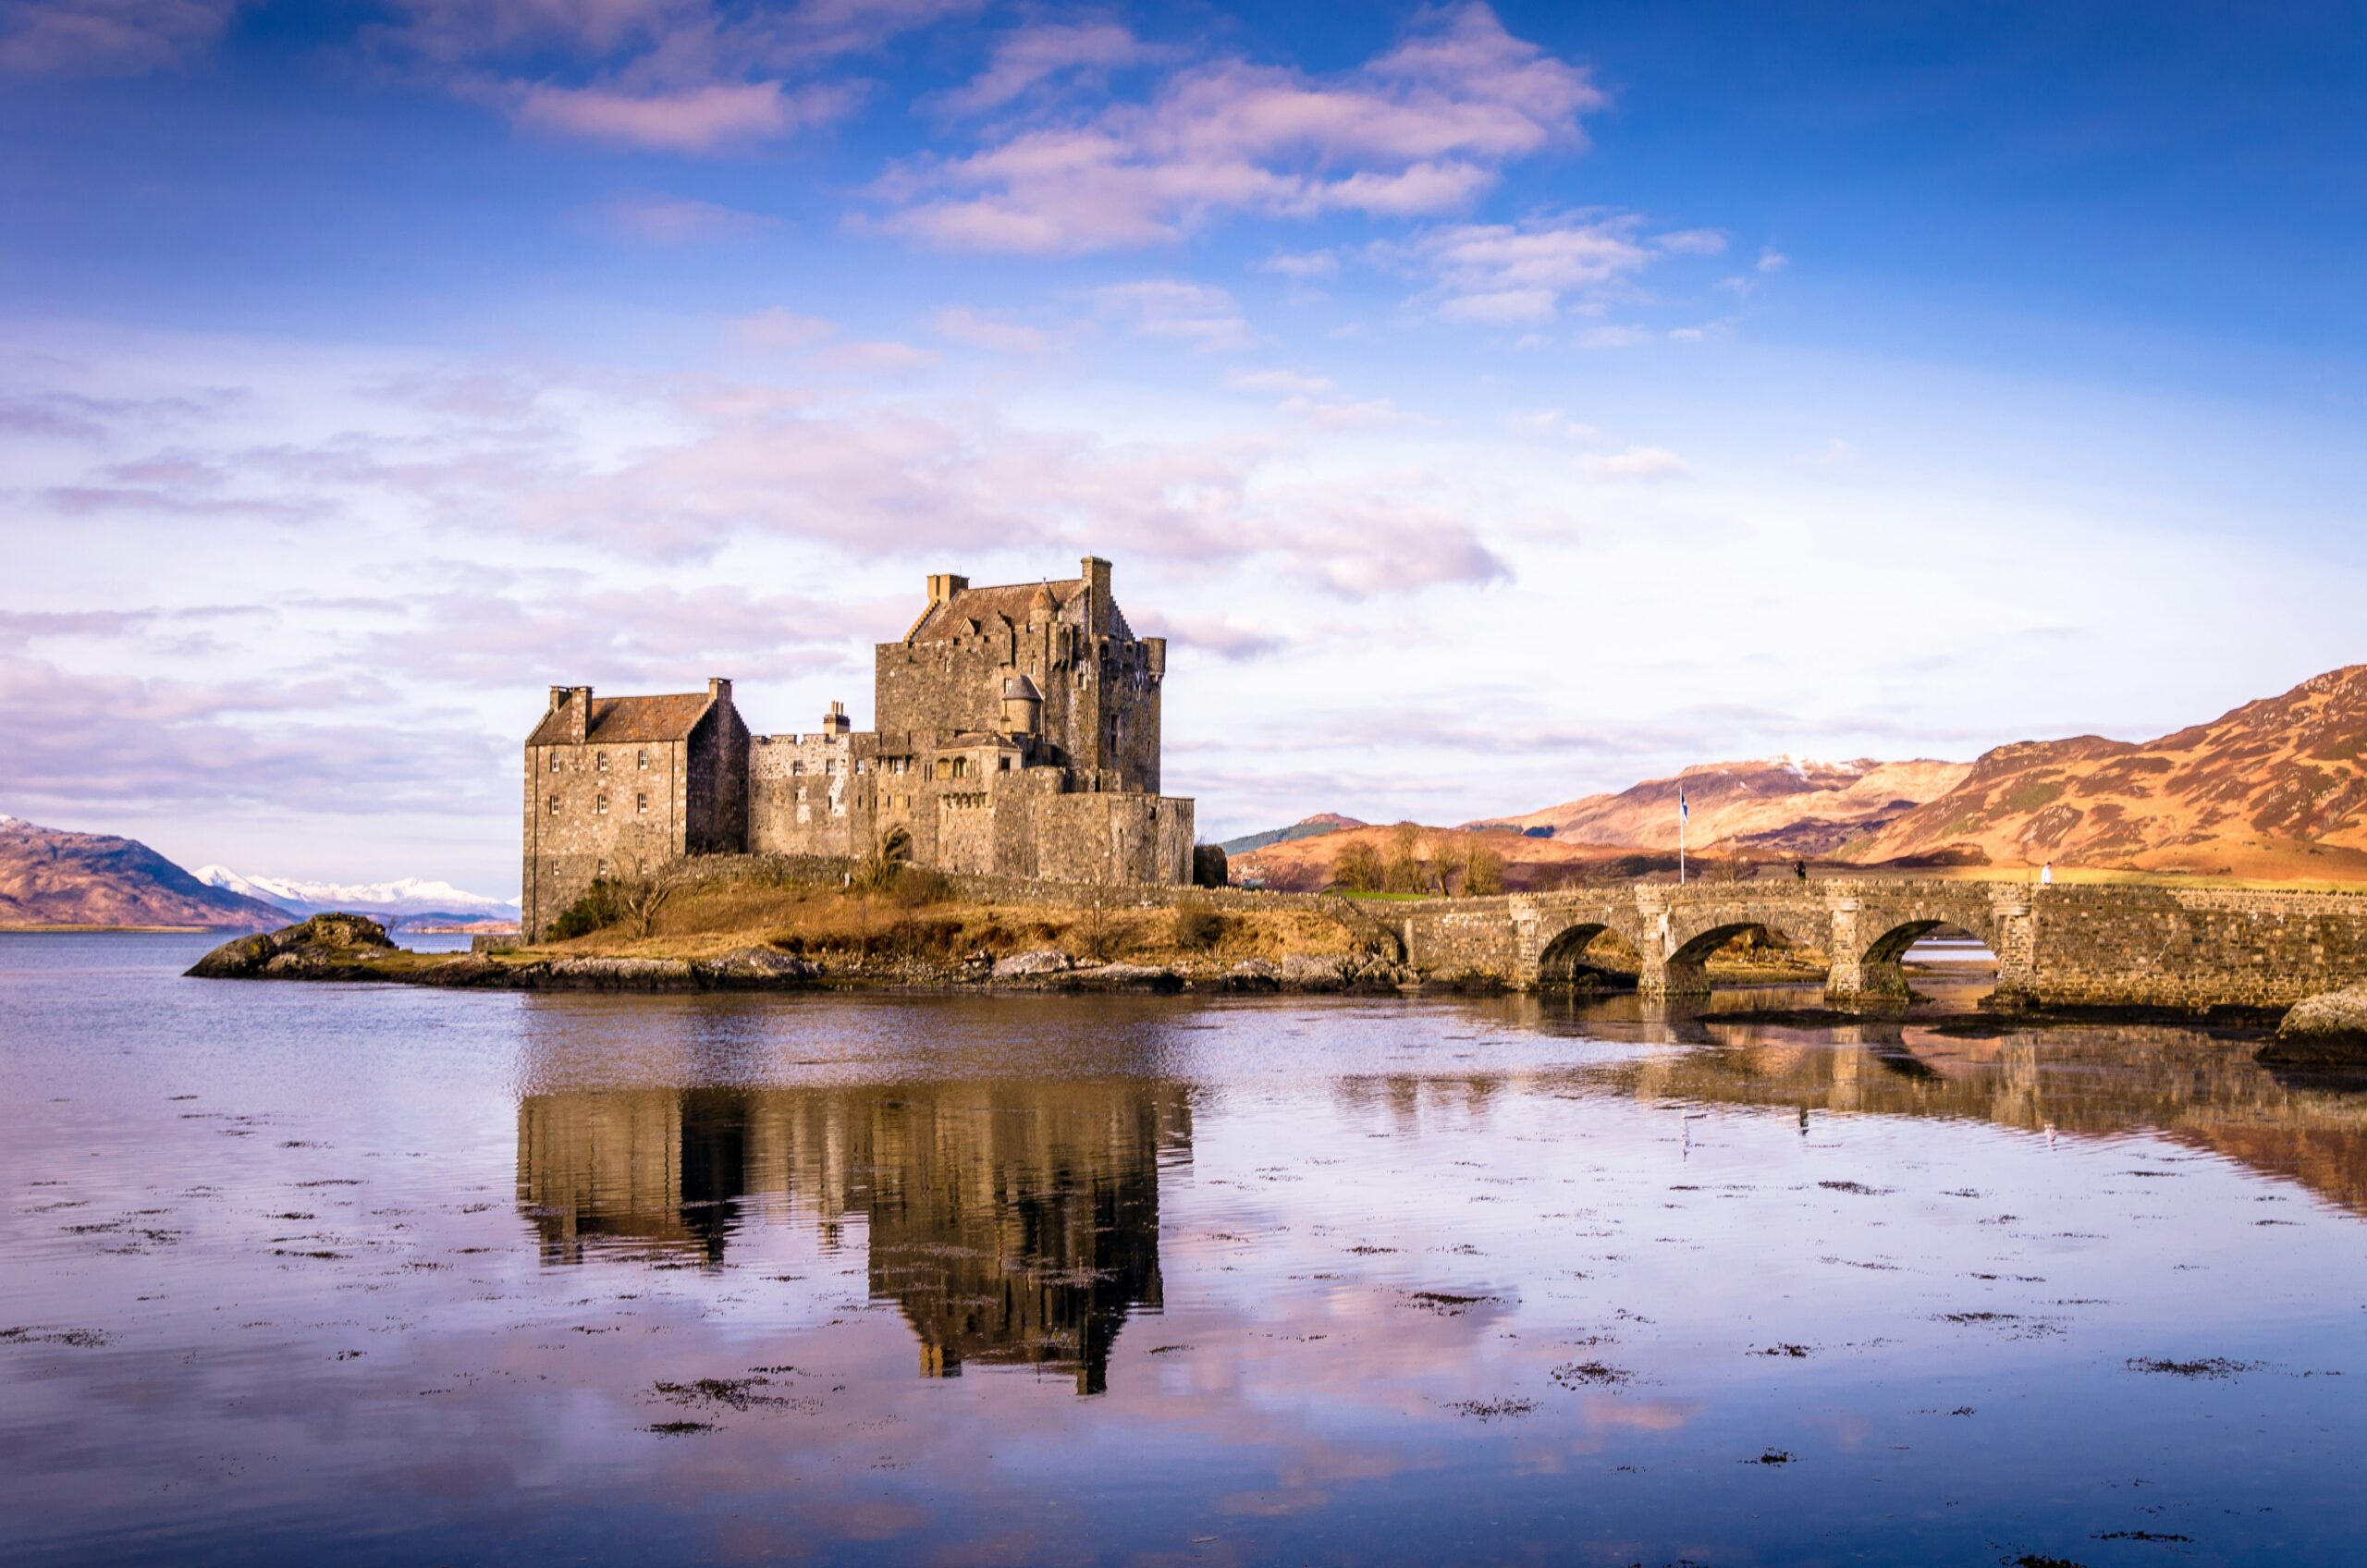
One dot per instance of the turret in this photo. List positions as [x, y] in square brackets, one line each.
[1022, 705]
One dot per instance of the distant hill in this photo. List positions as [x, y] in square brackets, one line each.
[1775, 805]
[50, 877]
[2276, 787]
[1313, 827]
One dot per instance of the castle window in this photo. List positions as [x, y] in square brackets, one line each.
[600, 761]
[553, 805]
[797, 769]
[829, 766]
[600, 805]
[641, 760]
[600, 866]
[555, 762]
[641, 803]
[1006, 764]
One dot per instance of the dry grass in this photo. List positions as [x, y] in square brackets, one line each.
[710, 918]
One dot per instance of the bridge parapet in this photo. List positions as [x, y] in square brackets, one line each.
[2119, 945]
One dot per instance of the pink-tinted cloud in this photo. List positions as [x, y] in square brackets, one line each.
[664, 220]
[99, 38]
[691, 77]
[698, 119]
[1420, 130]
[1033, 56]
[1518, 273]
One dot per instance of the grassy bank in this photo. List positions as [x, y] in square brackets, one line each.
[919, 919]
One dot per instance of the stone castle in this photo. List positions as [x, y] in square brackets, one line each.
[1017, 734]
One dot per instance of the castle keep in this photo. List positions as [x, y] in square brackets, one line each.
[1016, 733]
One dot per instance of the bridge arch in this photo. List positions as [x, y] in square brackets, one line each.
[1692, 935]
[1871, 936]
[1572, 957]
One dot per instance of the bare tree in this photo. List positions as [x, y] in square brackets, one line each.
[641, 896]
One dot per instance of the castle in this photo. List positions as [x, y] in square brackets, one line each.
[1017, 734]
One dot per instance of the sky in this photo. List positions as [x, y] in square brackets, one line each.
[1492, 406]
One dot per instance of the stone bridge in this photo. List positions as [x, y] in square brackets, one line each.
[2095, 945]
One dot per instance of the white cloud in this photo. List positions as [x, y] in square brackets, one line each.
[993, 334]
[1551, 425]
[698, 119]
[1289, 381]
[1773, 260]
[775, 330]
[1302, 265]
[1635, 463]
[1418, 130]
[1035, 56]
[1691, 242]
[1196, 314]
[107, 38]
[677, 221]
[1500, 274]
[691, 77]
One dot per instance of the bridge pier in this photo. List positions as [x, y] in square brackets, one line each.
[2016, 945]
[1662, 974]
[1855, 979]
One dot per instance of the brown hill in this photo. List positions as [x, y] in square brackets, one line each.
[2275, 789]
[1306, 865]
[48, 878]
[1777, 805]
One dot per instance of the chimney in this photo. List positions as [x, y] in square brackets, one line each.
[718, 690]
[576, 703]
[1096, 572]
[943, 585]
[835, 721]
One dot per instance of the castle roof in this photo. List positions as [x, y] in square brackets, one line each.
[1017, 603]
[624, 720]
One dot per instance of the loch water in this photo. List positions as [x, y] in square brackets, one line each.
[356, 1274]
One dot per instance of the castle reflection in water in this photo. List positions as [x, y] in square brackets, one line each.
[1013, 1223]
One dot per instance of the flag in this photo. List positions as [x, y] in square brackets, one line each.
[1684, 812]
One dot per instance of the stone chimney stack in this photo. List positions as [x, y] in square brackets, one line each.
[576, 703]
[1096, 572]
[943, 585]
[835, 721]
[718, 690]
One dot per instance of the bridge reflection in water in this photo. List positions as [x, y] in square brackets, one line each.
[2190, 1084]
[1013, 1223]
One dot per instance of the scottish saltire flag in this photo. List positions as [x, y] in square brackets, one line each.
[1684, 812]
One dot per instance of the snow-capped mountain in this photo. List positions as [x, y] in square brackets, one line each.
[407, 895]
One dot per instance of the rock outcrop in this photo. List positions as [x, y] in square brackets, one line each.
[333, 946]
[2328, 1028]
[1042, 961]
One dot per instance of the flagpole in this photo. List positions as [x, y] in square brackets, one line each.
[1681, 815]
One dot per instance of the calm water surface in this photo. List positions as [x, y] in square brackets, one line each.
[349, 1275]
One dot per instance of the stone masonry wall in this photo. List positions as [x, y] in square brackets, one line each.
[2189, 949]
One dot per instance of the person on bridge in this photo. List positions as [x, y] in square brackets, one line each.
[2046, 874]
[1800, 869]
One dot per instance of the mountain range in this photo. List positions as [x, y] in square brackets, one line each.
[51, 878]
[414, 897]
[2275, 789]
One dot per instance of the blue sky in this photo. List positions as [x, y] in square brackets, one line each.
[1493, 406]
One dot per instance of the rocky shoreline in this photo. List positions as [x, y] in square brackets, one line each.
[353, 949]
